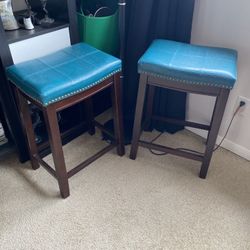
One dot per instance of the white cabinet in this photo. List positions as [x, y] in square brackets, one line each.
[40, 45]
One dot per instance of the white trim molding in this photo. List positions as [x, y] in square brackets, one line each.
[227, 144]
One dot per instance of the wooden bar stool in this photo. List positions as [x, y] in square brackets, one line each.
[188, 68]
[58, 81]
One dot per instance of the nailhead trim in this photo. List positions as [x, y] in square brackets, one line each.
[72, 93]
[185, 81]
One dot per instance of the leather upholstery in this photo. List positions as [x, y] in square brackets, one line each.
[190, 64]
[64, 73]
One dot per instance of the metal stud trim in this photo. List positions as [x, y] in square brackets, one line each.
[71, 93]
[186, 81]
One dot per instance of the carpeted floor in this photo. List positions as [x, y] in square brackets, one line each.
[116, 203]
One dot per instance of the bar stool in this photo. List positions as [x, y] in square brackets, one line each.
[58, 81]
[187, 68]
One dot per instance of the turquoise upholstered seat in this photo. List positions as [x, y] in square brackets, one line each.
[190, 64]
[64, 73]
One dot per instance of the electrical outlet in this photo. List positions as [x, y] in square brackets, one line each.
[245, 108]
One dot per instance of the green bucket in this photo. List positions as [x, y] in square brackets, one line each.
[100, 32]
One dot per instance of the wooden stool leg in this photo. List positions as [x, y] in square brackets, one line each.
[88, 106]
[117, 110]
[56, 149]
[215, 126]
[211, 122]
[138, 116]
[29, 130]
[149, 106]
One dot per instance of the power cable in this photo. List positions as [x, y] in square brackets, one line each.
[242, 104]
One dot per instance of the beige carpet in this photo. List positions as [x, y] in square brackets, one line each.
[116, 203]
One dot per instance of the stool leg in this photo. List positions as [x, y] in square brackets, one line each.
[117, 110]
[28, 128]
[56, 149]
[149, 107]
[138, 116]
[215, 126]
[212, 119]
[88, 106]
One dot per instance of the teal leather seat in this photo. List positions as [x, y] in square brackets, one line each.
[64, 73]
[190, 64]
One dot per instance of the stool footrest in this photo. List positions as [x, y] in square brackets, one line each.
[172, 151]
[78, 168]
[90, 160]
[46, 166]
[182, 123]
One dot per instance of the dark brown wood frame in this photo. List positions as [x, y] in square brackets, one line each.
[49, 112]
[150, 82]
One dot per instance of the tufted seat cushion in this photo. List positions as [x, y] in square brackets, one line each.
[191, 64]
[64, 73]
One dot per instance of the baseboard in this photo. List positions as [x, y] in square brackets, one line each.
[227, 144]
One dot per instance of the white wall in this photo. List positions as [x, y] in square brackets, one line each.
[225, 23]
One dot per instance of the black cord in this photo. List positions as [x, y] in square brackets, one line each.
[224, 137]
[152, 151]
[193, 151]
[181, 149]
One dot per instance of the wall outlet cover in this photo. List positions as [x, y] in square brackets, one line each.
[245, 110]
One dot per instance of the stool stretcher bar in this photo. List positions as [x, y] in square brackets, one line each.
[172, 151]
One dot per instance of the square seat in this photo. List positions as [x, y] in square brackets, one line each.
[191, 64]
[64, 73]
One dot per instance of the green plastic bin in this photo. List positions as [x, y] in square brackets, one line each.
[100, 32]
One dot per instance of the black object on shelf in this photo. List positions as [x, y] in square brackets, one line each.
[58, 12]
[57, 9]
